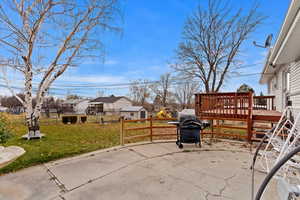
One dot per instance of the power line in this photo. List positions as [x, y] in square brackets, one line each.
[125, 85]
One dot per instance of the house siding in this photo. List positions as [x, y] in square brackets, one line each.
[136, 114]
[276, 88]
[294, 89]
[81, 107]
[295, 84]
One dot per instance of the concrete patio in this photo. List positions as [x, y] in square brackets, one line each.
[143, 171]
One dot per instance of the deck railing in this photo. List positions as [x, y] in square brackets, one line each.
[263, 103]
[231, 107]
[224, 105]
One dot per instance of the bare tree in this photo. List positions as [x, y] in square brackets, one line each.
[162, 88]
[245, 88]
[42, 38]
[13, 103]
[140, 91]
[185, 92]
[73, 96]
[212, 39]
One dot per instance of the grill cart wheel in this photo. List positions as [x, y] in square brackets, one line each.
[180, 146]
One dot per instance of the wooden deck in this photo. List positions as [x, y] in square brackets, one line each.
[242, 115]
[268, 115]
[243, 107]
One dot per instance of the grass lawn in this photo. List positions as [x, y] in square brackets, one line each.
[64, 140]
[60, 141]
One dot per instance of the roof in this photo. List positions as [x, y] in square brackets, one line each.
[110, 99]
[287, 47]
[132, 109]
[74, 101]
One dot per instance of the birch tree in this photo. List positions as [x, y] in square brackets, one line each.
[41, 39]
[212, 39]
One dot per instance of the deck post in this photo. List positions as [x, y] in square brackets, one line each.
[218, 127]
[151, 128]
[212, 130]
[122, 131]
[249, 120]
[235, 104]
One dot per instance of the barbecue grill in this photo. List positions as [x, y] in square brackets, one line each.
[189, 130]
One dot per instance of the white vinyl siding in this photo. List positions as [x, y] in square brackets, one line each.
[133, 114]
[276, 88]
[295, 84]
[81, 107]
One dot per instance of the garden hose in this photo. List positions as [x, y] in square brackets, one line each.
[274, 170]
[255, 157]
[253, 163]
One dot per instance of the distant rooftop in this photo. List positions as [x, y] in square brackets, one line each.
[74, 101]
[110, 99]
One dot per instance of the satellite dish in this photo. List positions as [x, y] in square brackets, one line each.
[267, 43]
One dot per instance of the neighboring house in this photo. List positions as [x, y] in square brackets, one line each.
[52, 112]
[134, 112]
[3, 109]
[78, 106]
[111, 105]
[282, 68]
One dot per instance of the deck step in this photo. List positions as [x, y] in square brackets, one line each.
[255, 139]
[263, 121]
[262, 127]
[258, 133]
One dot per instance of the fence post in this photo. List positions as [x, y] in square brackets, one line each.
[122, 131]
[151, 129]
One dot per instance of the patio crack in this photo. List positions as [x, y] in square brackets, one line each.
[226, 180]
[201, 189]
[138, 153]
[144, 158]
[57, 182]
[107, 174]
[226, 184]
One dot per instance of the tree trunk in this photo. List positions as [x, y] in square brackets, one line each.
[33, 125]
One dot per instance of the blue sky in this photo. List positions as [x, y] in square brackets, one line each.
[151, 32]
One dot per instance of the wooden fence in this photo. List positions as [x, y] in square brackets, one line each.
[148, 127]
[231, 116]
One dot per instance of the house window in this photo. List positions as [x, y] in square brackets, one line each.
[286, 81]
[131, 114]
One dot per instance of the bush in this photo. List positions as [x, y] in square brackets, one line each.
[4, 129]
